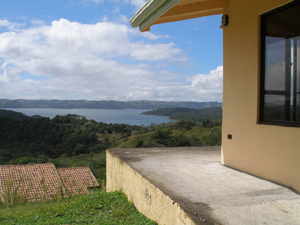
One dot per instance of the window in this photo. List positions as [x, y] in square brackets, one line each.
[280, 66]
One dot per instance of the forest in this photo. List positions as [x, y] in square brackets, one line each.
[180, 113]
[72, 140]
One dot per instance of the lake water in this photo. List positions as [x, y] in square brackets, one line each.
[127, 116]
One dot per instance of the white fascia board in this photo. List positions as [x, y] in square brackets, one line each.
[149, 7]
[152, 10]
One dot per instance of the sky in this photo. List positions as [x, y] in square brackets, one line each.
[86, 49]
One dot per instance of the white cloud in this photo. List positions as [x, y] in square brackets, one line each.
[152, 36]
[208, 86]
[37, 22]
[108, 80]
[10, 25]
[70, 56]
[4, 23]
[65, 39]
[122, 19]
[156, 52]
[106, 60]
[138, 3]
[103, 80]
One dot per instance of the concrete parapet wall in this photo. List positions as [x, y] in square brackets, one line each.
[147, 198]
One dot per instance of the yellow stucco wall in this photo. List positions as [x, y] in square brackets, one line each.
[271, 152]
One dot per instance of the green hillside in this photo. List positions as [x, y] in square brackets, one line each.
[12, 114]
[84, 104]
[73, 140]
[179, 113]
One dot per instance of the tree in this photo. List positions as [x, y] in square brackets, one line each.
[186, 124]
[139, 144]
[80, 149]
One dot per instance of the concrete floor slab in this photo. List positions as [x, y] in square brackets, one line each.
[209, 192]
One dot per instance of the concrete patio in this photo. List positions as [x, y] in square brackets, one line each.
[188, 185]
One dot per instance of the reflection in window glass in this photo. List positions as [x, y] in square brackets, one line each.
[275, 64]
[298, 66]
[274, 107]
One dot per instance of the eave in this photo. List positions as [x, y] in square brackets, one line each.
[164, 11]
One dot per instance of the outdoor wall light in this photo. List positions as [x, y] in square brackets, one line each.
[224, 21]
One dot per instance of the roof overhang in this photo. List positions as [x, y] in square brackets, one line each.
[164, 11]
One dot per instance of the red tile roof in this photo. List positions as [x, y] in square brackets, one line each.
[39, 182]
[77, 180]
[30, 182]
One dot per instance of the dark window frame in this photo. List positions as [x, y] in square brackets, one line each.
[263, 92]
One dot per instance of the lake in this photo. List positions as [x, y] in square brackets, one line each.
[127, 116]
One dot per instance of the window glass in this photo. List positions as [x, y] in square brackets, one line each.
[275, 64]
[280, 78]
[274, 107]
[297, 75]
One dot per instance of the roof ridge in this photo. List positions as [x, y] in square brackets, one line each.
[26, 165]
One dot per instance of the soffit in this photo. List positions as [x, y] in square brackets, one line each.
[163, 11]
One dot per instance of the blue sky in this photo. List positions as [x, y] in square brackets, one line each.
[86, 49]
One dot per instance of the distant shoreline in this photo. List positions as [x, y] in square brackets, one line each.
[150, 114]
[159, 115]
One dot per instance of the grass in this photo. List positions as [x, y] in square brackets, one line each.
[198, 131]
[130, 142]
[198, 135]
[97, 208]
